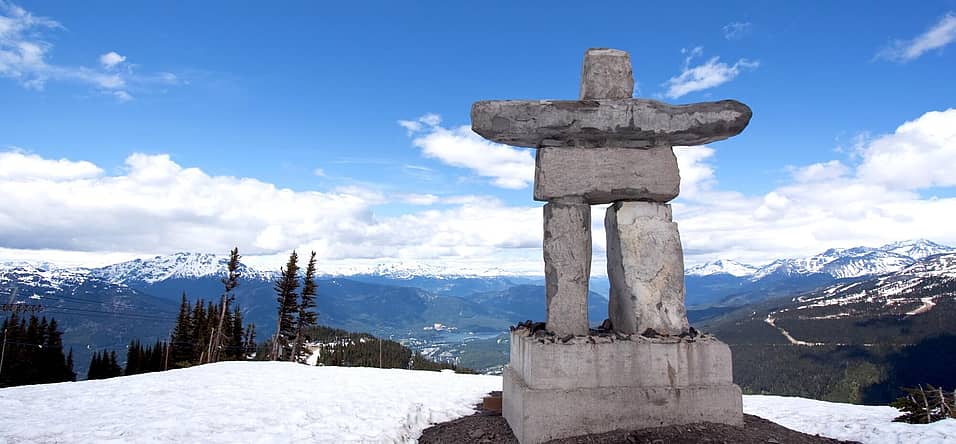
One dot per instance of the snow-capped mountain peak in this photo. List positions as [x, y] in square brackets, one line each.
[839, 263]
[33, 275]
[178, 265]
[407, 270]
[722, 266]
[917, 249]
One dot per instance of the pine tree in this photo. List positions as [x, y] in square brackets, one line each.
[236, 347]
[134, 353]
[52, 354]
[250, 341]
[286, 298]
[229, 283]
[923, 405]
[69, 374]
[182, 342]
[33, 352]
[198, 331]
[95, 371]
[307, 317]
[112, 368]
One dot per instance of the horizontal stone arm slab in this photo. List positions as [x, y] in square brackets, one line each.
[624, 123]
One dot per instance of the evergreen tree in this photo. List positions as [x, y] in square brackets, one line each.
[96, 367]
[182, 342]
[112, 368]
[230, 282]
[198, 331]
[70, 374]
[307, 317]
[250, 341]
[236, 346]
[923, 405]
[134, 352]
[33, 352]
[286, 298]
[52, 360]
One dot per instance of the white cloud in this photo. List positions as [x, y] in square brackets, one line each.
[418, 199]
[736, 30]
[871, 201]
[319, 172]
[695, 173]
[941, 34]
[122, 96]
[24, 57]
[158, 206]
[822, 171]
[19, 165]
[710, 74]
[919, 154]
[111, 59]
[507, 167]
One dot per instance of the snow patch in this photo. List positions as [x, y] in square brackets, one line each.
[234, 402]
[866, 424]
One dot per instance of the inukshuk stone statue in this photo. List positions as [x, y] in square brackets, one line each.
[650, 369]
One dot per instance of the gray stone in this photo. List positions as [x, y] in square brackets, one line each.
[608, 147]
[567, 266]
[541, 415]
[645, 264]
[606, 74]
[605, 175]
[624, 123]
[558, 390]
[633, 360]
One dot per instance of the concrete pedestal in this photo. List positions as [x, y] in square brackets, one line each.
[556, 390]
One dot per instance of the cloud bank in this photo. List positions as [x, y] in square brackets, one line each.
[888, 189]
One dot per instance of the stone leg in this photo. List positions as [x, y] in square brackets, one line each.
[567, 265]
[645, 264]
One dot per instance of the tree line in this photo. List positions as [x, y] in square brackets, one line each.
[206, 332]
[342, 348]
[104, 365]
[32, 352]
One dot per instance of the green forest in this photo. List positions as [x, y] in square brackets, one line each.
[32, 352]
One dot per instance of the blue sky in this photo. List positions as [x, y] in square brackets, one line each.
[128, 128]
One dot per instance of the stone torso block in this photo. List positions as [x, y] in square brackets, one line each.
[605, 175]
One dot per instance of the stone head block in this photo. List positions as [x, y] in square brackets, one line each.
[605, 175]
[606, 74]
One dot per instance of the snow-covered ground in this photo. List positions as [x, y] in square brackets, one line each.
[866, 424]
[265, 402]
[242, 402]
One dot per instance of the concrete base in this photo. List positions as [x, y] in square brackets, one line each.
[613, 384]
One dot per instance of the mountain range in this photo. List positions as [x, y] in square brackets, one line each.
[853, 340]
[728, 283]
[839, 263]
[103, 308]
